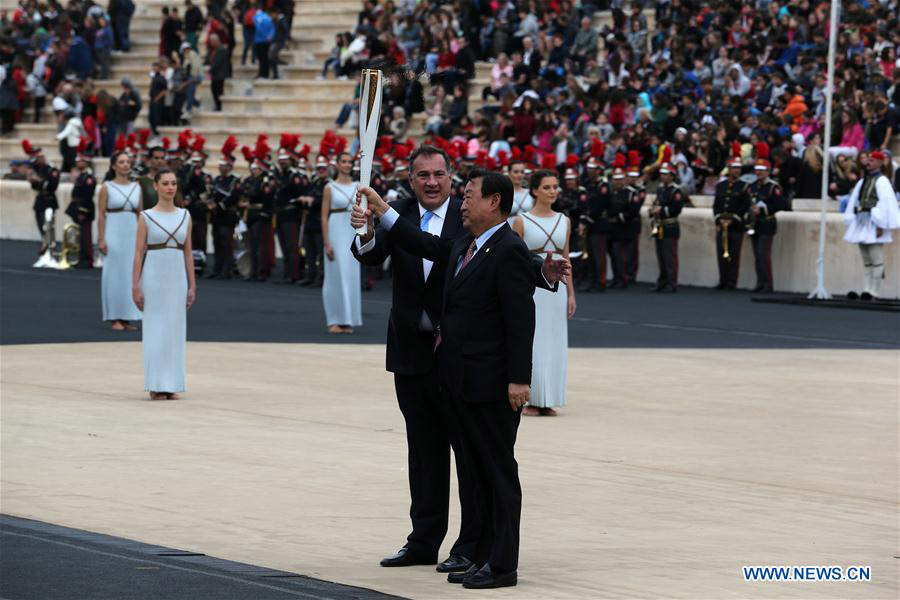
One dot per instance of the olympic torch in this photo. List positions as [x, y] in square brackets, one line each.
[369, 117]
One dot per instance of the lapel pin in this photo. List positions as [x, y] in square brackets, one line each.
[486, 250]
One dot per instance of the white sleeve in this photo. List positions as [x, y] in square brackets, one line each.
[389, 218]
[363, 248]
[850, 209]
[885, 214]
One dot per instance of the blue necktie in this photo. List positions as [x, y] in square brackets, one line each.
[423, 223]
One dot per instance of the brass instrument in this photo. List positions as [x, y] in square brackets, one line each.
[656, 230]
[71, 246]
[725, 254]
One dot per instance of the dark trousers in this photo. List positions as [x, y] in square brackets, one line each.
[68, 156]
[488, 437]
[156, 116]
[259, 232]
[431, 430]
[728, 268]
[262, 56]
[199, 225]
[223, 246]
[312, 244]
[218, 88]
[38, 106]
[248, 45]
[86, 246]
[667, 257]
[625, 260]
[289, 241]
[762, 255]
[7, 120]
[597, 243]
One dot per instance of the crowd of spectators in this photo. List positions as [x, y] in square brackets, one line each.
[679, 80]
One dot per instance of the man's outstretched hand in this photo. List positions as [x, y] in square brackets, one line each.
[556, 270]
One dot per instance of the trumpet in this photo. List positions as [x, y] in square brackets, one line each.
[725, 254]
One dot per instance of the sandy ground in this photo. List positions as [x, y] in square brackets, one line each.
[668, 471]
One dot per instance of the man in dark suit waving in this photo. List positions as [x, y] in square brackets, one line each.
[483, 348]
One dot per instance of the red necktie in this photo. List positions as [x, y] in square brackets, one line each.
[466, 259]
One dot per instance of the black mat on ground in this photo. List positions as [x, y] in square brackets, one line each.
[835, 302]
[41, 561]
[47, 306]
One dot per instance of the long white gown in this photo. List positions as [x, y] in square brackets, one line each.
[164, 285]
[341, 291]
[120, 235]
[551, 335]
[523, 201]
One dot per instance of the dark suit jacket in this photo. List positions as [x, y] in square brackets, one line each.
[408, 351]
[487, 324]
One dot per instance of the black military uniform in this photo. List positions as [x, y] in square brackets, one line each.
[81, 210]
[196, 184]
[670, 200]
[572, 202]
[625, 215]
[730, 207]
[769, 198]
[632, 244]
[289, 187]
[312, 231]
[224, 195]
[595, 218]
[258, 191]
[44, 182]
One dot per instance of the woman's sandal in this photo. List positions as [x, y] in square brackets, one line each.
[130, 327]
[346, 330]
[335, 329]
[117, 326]
[157, 396]
[531, 411]
[548, 412]
[172, 396]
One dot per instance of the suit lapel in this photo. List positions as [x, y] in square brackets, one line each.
[459, 246]
[452, 220]
[480, 256]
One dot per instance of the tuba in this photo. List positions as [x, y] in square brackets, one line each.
[71, 246]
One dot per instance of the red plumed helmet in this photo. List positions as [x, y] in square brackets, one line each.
[516, 153]
[548, 161]
[198, 144]
[503, 158]
[132, 139]
[143, 136]
[762, 150]
[597, 148]
[735, 149]
[248, 154]
[184, 139]
[619, 162]
[166, 142]
[528, 154]
[29, 148]
[401, 152]
[571, 160]
[262, 147]
[229, 146]
[490, 163]
[340, 145]
[481, 158]
[634, 158]
[304, 152]
[120, 142]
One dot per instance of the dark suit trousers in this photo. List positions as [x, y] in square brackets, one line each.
[223, 236]
[488, 435]
[431, 430]
[312, 243]
[762, 253]
[728, 269]
[667, 257]
[289, 240]
[86, 247]
[597, 243]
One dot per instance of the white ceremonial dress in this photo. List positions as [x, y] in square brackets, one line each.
[341, 291]
[522, 203]
[164, 284]
[122, 203]
[551, 335]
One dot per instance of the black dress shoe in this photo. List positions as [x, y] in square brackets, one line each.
[461, 576]
[488, 578]
[405, 558]
[454, 564]
[866, 297]
[852, 296]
